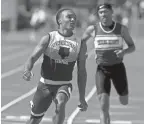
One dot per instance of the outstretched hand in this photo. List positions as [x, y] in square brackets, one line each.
[83, 105]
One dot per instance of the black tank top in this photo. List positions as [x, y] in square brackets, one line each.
[106, 42]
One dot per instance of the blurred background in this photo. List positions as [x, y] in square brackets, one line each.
[21, 15]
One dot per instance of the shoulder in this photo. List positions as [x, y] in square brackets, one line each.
[45, 39]
[52, 33]
[121, 25]
[124, 30]
[50, 36]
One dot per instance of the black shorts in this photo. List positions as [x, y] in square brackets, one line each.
[115, 73]
[44, 96]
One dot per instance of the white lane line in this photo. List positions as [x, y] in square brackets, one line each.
[23, 118]
[11, 72]
[18, 69]
[14, 56]
[76, 111]
[117, 106]
[91, 93]
[18, 99]
[112, 122]
[124, 107]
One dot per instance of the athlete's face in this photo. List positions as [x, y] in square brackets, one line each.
[68, 19]
[105, 15]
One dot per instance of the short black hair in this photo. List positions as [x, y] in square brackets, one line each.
[59, 13]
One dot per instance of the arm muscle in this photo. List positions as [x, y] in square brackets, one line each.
[38, 51]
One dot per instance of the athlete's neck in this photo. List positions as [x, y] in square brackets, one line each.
[65, 33]
[109, 25]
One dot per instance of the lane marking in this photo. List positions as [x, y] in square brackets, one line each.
[11, 72]
[112, 122]
[18, 99]
[124, 107]
[23, 118]
[117, 106]
[14, 56]
[91, 93]
[76, 111]
[16, 70]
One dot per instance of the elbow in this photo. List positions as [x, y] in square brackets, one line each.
[132, 48]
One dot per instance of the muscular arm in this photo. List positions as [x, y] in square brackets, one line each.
[38, 51]
[128, 40]
[81, 62]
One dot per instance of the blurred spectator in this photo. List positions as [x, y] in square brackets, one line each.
[128, 8]
[140, 6]
[127, 14]
[92, 20]
[24, 14]
[123, 14]
[38, 20]
[41, 17]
